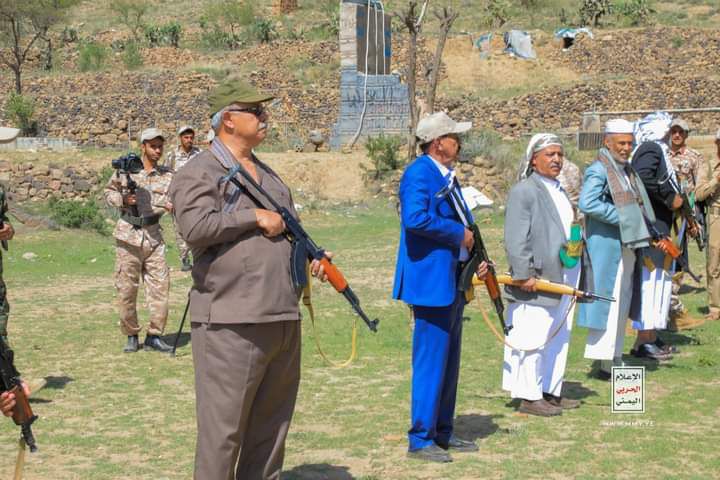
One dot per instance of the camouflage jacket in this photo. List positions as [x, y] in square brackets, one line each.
[570, 179]
[177, 158]
[690, 167]
[152, 197]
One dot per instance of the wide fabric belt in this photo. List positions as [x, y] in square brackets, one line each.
[141, 221]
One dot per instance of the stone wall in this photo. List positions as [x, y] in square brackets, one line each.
[32, 182]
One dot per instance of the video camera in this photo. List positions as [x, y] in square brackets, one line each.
[128, 163]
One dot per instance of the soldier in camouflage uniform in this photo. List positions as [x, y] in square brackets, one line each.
[140, 245]
[6, 233]
[708, 190]
[690, 168]
[177, 159]
[570, 179]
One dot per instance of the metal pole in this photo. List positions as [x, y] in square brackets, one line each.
[182, 322]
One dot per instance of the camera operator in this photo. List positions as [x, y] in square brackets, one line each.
[140, 248]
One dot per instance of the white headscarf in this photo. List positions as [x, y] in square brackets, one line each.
[538, 142]
[654, 128]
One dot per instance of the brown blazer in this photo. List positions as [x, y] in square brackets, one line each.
[239, 275]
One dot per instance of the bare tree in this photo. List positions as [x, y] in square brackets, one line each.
[131, 13]
[413, 24]
[447, 17]
[22, 23]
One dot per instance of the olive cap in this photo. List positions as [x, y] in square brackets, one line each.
[235, 91]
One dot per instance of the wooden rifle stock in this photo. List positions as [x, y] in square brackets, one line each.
[547, 286]
[23, 415]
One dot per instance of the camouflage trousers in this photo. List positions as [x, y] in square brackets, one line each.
[181, 245]
[713, 264]
[676, 306]
[146, 262]
[4, 306]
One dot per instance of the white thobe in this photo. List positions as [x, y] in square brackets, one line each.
[538, 364]
[655, 290]
[608, 344]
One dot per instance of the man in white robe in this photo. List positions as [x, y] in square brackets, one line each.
[615, 203]
[538, 221]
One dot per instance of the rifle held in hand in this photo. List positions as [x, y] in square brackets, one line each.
[10, 382]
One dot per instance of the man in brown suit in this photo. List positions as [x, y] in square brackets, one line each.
[243, 305]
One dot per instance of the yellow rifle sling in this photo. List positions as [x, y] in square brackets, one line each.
[307, 301]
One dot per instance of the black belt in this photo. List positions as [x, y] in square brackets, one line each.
[141, 221]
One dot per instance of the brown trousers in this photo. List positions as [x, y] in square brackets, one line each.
[713, 263]
[246, 383]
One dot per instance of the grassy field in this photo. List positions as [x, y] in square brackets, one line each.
[108, 415]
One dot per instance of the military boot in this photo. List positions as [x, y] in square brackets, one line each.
[132, 344]
[154, 342]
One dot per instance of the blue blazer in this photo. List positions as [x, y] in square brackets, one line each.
[430, 238]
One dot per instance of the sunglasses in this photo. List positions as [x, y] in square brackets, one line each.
[257, 111]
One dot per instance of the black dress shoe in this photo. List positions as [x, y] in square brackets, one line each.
[132, 344]
[650, 350]
[431, 453]
[459, 445]
[665, 347]
[154, 342]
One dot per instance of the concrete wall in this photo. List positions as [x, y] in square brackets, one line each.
[381, 95]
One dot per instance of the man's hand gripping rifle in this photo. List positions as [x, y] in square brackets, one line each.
[687, 210]
[665, 244]
[303, 247]
[477, 256]
[10, 382]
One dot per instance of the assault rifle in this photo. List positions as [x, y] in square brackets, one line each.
[10, 382]
[665, 244]
[477, 256]
[693, 223]
[303, 247]
[543, 285]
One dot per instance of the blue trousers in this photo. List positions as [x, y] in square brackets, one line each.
[436, 366]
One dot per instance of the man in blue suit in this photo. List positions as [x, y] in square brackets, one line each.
[435, 241]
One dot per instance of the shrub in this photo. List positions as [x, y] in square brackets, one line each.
[20, 110]
[263, 30]
[490, 145]
[637, 11]
[92, 56]
[591, 11]
[383, 151]
[168, 34]
[132, 57]
[223, 21]
[83, 215]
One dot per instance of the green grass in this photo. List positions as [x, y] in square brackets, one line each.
[106, 415]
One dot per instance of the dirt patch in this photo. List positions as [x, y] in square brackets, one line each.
[499, 74]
